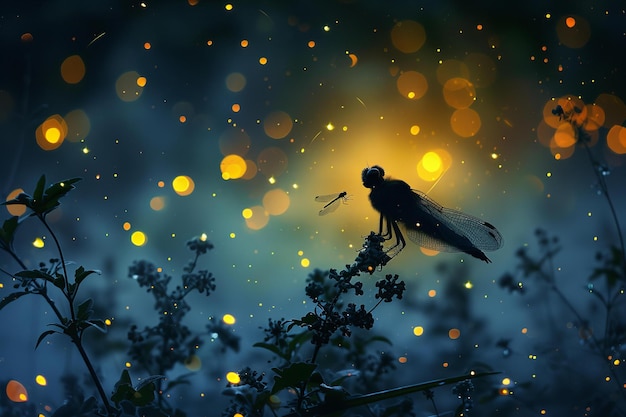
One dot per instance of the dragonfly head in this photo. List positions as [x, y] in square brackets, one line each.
[373, 176]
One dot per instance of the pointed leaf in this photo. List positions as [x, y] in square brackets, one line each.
[149, 380]
[272, 348]
[10, 298]
[43, 336]
[292, 376]
[85, 309]
[34, 274]
[38, 194]
[81, 274]
[7, 231]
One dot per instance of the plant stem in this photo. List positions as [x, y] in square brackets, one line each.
[94, 376]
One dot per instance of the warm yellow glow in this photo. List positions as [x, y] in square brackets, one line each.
[51, 133]
[459, 93]
[432, 162]
[235, 82]
[15, 209]
[262, 60]
[432, 293]
[506, 381]
[142, 81]
[233, 377]
[138, 238]
[277, 124]
[408, 36]
[330, 126]
[616, 139]
[126, 226]
[412, 85]
[418, 330]
[465, 122]
[304, 262]
[233, 167]
[276, 202]
[16, 392]
[157, 203]
[193, 363]
[228, 7]
[258, 219]
[570, 22]
[127, 87]
[147, 45]
[128, 364]
[183, 185]
[415, 130]
[454, 334]
[469, 285]
[246, 213]
[229, 319]
[73, 69]
[41, 380]
[402, 359]
[38, 243]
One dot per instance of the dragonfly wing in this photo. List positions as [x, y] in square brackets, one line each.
[330, 207]
[481, 235]
[326, 198]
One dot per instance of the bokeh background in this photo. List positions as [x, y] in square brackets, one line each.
[228, 118]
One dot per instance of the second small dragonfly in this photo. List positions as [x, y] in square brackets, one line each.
[332, 201]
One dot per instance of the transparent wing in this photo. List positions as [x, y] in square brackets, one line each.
[481, 234]
[334, 200]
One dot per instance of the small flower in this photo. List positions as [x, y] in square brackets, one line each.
[389, 287]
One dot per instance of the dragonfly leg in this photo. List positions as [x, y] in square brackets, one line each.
[387, 234]
[400, 242]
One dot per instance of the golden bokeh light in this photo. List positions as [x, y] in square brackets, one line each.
[16, 392]
[272, 162]
[459, 93]
[276, 202]
[73, 69]
[573, 31]
[127, 87]
[78, 125]
[39, 243]
[408, 36]
[157, 203]
[415, 130]
[41, 380]
[51, 133]
[616, 139]
[138, 238]
[465, 122]
[233, 377]
[614, 109]
[229, 319]
[412, 85]
[418, 330]
[15, 209]
[235, 82]
[233, 167]
[183, 185]
[258, 219]
[454, 334]
[564, 136]
[142, 81]
[277, 124]
[431, 166]
[305, 262]
[595, 117]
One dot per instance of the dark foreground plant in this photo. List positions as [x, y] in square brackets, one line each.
[313, 390]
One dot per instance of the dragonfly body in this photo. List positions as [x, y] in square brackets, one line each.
[427, 223]
[332, 201]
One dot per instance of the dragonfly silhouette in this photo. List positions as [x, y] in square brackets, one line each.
[426, 223]
[333, 201]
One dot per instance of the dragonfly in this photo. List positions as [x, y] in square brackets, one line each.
[425, 222]
[332, 201]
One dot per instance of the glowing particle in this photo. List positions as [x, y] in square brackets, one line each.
[229, 319]
[246, 213]
[41, 380]
[15, 209]
[570, 22]
[418, 330]
[233, 377]
[469, 285]
[141, 81]
[263, 60]
[244, 43]
[300, 253]
[235, 108]
[330, 126]
[311, 44]
[16, 391]
[228, 7]
[73, 69]
[524, 330]
[108, 322]
[147, 45]
[402, 359]
[128, 364]
[326, 28]
[157, 203]
[454, 333]
[432, 293]
[138, 238]
[415, 130]
[232, 235]
[304, 262]
[506, 381]
[183, 185]
[126, 226]
[182, 118]
[38, 243]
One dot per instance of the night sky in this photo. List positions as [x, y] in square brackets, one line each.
[198, 117]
